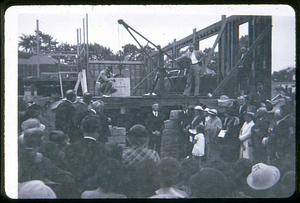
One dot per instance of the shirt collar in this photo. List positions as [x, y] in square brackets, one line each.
[93, 111]
[91, 138]
[68, 100]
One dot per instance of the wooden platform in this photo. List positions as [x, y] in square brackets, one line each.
[135, 102]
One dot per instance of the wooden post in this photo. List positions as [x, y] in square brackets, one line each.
[222, 50]
[87, 47]
[254, 55]
[161, 71]
[194, 40]
[37, 49]
[78, 56]
[174, 53]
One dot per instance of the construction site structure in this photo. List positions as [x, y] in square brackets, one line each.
[142, 73]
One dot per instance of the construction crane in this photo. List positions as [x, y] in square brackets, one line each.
[161, 70]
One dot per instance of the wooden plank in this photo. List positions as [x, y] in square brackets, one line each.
[215, 43]
[204, 33]
[247, 54]
[61, 86]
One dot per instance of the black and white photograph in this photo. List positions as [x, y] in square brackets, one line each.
[150, 102]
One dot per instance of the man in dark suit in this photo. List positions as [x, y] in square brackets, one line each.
[155, 125]
[241, 108]
[97, 109]
[65, 113]
[84, 157]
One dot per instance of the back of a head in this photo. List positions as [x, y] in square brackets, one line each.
[57, 136]
[286, 186]
[35, 189]
[208, 183]
[189, 167]
[113, 150]
[33, 137]
[91, 124]
[217, 164]
[109, 175]
[87, 96]
[48, 149]
[71, 95]
[147, 173]
[138, 135]
[168, 170]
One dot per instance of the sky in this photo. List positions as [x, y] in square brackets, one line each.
[160, 24]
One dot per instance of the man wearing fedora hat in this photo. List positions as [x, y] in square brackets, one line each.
[104, 82]
[195, 71]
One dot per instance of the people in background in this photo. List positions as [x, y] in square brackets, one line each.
[65, 114]
[195, 72]
[154, 124]
[108, 176]
[212, 129]
[104, 82]
[246, 149]
[168, 173]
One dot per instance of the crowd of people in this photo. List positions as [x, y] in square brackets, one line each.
[245, 152]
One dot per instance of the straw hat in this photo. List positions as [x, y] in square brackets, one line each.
[213, 112]
[263, 176]
[198, 108]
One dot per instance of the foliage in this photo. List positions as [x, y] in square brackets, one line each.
[284, 75]
[28, 43]
[100, 52]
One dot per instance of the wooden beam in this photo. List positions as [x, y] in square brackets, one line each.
[216, 42]
[118, 62]
[203, 34]
[247, 54]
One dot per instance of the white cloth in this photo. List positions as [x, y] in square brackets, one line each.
[155, 113]
[246, 151]
[193, 58]
[199, 146]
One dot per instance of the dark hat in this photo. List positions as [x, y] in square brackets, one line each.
[34, 106]
[33, 137]
[109, 67]
[138, 131]
[269, 105]
[87, 96]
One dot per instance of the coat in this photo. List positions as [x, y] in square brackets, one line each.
[153, 123]
[246, 150]
[212, 128]
[83, 158]
[64, 117]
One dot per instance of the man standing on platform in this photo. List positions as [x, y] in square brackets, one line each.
[155, 125]
[195, 71]
[105, 81]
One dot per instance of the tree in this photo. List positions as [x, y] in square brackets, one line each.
[100, 52]
[284, 75]
[28, 43]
